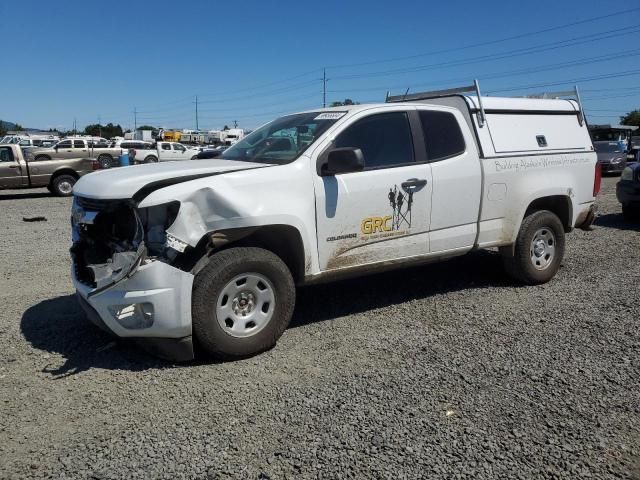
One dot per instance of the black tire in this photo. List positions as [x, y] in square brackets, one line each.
[151, 159]
[60, 185]
[523, 264]
[208, 289]
[42, 158]
[105, 161]
[630, 214]
[195, 157]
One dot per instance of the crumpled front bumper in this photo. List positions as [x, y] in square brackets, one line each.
[164, 290]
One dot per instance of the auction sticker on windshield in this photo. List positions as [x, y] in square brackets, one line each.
[330, 116]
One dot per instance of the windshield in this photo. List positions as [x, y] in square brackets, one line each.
[282, 140]
[608, 147]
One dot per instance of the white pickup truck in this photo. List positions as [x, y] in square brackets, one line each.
[163, 152]
[213, 249]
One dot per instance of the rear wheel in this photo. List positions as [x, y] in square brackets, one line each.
[151, 159]
[539, 249]
[242, 302]
[62, 185]
[195, 157]
[105, 161]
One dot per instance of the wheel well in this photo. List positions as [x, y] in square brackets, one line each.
[57, 173]
[283, 240]
[558, 204]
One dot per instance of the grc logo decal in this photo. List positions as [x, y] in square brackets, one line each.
[372, 225]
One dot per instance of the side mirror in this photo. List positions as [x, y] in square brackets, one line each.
[55, 148]
[343, 160]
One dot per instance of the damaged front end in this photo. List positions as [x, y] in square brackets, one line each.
[126, 270]
[112, 238]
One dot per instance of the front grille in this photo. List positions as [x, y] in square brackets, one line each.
[100, 205]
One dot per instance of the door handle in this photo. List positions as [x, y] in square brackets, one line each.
[14, 166]
[414, 183]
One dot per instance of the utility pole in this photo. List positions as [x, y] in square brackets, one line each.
[197, 113]
[235, 124]
[324, 87]
[74, 126]
[135, 119]
[99, 126]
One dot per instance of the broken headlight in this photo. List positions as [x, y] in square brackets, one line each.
[156, 220]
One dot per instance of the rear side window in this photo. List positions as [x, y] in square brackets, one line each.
[385, 139]
[442, 135]
[78, 144]
[6, 154]
[166, 146]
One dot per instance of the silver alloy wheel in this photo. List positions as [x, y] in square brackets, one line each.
[543, 248]
[65, 187]
[245, 305]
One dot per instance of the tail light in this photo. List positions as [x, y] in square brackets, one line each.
[597, 180]
[95, 165]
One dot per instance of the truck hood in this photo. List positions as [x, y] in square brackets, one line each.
[126, 182]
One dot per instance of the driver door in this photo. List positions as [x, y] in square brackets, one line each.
[11, 175]
[178, 152]
[381, 212]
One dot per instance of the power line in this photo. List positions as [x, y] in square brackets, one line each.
[567, 82]
[490, 42]
[504, 74]
[500, 56]
[275, 82]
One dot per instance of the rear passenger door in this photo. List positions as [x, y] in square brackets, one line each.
[64, 149]
[80, 149]
[165, 152]
[380, 213]
[457, 179]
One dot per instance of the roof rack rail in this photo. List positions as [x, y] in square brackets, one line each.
[442, 93]
[575, 93]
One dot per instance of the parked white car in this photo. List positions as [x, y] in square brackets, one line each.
[213, 249]
[163, 152]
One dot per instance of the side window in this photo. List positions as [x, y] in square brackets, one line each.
[179, 147]
[442, 135]
[385, 139]
[78, 144]
[166, 146]
[65, 144]
[6, 154]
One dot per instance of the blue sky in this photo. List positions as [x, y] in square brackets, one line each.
[250, 61]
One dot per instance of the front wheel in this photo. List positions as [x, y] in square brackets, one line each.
[151, 159]
[62, 185]
[539, 249]
[195, 157]
[242, 302]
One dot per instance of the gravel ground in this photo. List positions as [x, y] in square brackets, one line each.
[445, 371]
